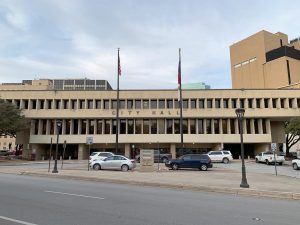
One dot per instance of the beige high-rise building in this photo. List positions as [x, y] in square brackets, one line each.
[265, 60]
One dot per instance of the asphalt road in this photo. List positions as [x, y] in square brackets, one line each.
[47, 201]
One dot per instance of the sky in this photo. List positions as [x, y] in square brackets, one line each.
[63, 39]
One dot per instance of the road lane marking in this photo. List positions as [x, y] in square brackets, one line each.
[16, 221]
[62, 193]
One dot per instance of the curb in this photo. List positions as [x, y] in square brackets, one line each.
[214, 189]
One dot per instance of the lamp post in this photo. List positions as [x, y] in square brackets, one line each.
[240, 115]
[58, 126]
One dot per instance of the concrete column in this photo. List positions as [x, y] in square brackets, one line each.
[268, 126]
[228, 126]
[82, 152]
[63, 128]
[244, 126]
[236, 126]
[278, 103]
[220, 126]
[252, 126]
[212, 124]
[173, 150]
[254, 103]
[40, 129]
[294, 103]
[127, 150]
[32, 126]
[204, 126]
[260, 128]
[79, 126]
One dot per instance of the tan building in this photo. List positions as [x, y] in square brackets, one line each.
[265, 60]
[7, 143]
[150, 119]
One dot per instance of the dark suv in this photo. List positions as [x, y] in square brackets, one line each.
[200, 161]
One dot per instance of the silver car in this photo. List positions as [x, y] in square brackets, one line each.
[116, 162]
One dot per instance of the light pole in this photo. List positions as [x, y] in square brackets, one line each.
[58, 126]
[240, 115]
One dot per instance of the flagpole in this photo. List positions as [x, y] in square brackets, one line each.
[180, 100]
[117, 116]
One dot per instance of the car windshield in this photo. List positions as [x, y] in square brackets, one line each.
[94, 153]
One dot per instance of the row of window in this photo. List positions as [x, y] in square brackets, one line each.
[149, 126]
[156, 103]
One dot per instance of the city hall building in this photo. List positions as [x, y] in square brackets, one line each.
[150, 119]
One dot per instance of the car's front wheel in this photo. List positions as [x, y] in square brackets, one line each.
[97, 167]
[175, 166]
[203, 167]
[267, 162]
[226, 160]
[124, 168]
[295, 166]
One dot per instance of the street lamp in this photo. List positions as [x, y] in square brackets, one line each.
[240, 115]
[58, 126]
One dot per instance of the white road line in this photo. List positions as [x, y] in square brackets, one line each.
[62, 193]
[16, 221]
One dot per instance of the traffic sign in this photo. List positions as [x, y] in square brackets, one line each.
[274, 146]
[89, 140]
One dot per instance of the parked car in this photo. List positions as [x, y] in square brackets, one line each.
[115, 162]
[223, 156]
[268, 158]
[4, 153]
[100, 156]
[296, 164]
[158, 156]
[200, 161]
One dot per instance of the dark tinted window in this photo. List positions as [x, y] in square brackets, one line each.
[187, 157]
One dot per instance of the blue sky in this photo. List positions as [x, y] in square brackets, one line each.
[79, 38]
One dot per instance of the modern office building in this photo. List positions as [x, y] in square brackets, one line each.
[265, 60]
[150, 119]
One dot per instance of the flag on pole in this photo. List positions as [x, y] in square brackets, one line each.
[119, 64]
[179, 76]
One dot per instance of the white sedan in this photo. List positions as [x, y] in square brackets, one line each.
[296, 164]
[116, 162]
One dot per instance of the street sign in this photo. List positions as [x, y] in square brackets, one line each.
[274, 146]
[89, 140]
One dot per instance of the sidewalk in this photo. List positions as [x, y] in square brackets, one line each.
[213, 180]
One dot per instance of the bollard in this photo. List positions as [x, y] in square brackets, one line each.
[69, 157]
[239, 157]
[60, 158]
[52, 157]
[43, 158]
[248, 157]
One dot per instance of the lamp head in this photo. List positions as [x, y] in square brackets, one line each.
[240, 113]
[58, 123]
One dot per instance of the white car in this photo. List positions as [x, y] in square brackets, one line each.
[220, 156]
[115, 162]
[99, 156]
[296, 164]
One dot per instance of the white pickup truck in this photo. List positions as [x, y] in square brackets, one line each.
[268, 158]
[296, 164]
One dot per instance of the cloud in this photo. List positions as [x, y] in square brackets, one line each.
[74, 39]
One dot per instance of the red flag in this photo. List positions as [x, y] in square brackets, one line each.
[119, 64]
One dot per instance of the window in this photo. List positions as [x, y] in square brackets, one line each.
[138, 126]
[99, 126]
[130, 127]
[185, 103]
[90, 104]
[291, 103]
[282, 102]
[233, 103]
[153, 104]
[209, 103]
[145, 104]
[232, 126]
[258, 103]
[106, 104]
[122, 104]
[123, 126]
[33, 104]
[73, 104]
[185, 126]
[130, 104]
[107, 124]
[98, 104]
[161, 103]
[153, 126]
[192, 126]
[224, 126]
[42, 102]
[242, 103]
[266, 101]
[200, 126]
[193, 103]
[65, 104]
[57, 104]
[216, 126]
[201, 103]
[176, 126]
[248, 127]
[114, 126]
[208, 126]
[146, 126]
[91, 126]
[83, 126]
[138, 104]
[177, 104]
[161, 126]
[81, 104]
[250, 103]
[217, 103]
[170, 104]
[169, 126]
[75, 127]
[113, 104]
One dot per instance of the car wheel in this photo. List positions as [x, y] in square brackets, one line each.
[280, 164]
[164, 160]
[175, 166]
[124, 168]
[256, 160]
[226, 160]
[267, 162]
[203, 167]
[97, 167]
[295, 166]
